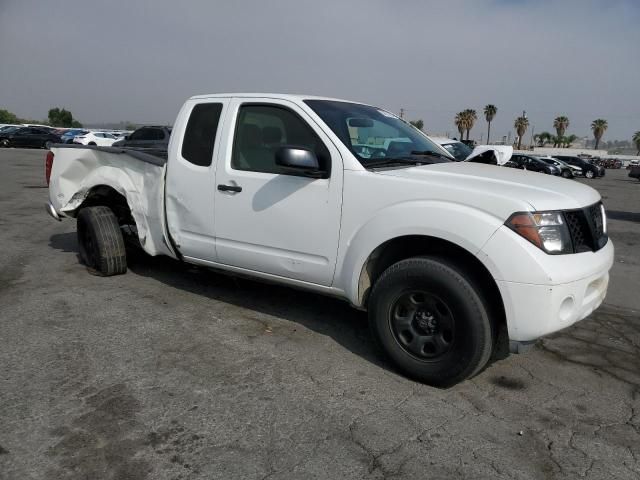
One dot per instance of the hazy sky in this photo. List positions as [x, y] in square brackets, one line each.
[139, 60]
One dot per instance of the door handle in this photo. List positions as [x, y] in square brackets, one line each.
[230, 188]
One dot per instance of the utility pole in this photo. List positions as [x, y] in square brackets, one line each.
[402, 113]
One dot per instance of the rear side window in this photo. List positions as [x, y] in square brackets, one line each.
[200, 135]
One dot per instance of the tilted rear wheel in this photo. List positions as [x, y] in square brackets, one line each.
[431, 321]
[101, 244]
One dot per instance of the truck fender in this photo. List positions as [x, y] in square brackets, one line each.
[462, 225]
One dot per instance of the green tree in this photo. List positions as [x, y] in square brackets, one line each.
[470, 116]
[543, 138]
[8, 117]
[60, 118]
[598, 126]
[521, 125]
[489, 114]
[561, 124]
[568, 140]
[636, 141]
[417, 123]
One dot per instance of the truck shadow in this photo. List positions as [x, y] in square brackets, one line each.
[327, 316]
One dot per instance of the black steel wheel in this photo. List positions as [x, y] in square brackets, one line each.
[431, 320]
[422, 324]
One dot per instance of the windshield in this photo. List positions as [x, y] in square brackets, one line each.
[374, 135]
[459, 150]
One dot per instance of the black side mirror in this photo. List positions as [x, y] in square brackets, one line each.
[299, 160]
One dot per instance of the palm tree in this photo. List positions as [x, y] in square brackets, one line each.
[470, 119]
[598, 126]
[489, 113]
[561, 124]
[636, 140]
[521, 125]
[461, 123]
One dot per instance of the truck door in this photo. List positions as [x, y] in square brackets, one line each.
[190, 183]
[266, 218]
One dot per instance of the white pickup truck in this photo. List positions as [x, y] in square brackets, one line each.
[348, 200]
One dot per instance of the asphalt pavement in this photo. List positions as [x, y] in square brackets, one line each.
[176, 372]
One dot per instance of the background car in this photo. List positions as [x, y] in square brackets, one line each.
[28, 137]
[6, 126]
[100, 139]
[457, 149]
[69, 135]
[155, 137]
[589, 170]
[534, 164]
[566, 170]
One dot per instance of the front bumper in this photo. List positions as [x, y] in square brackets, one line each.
[545, 293]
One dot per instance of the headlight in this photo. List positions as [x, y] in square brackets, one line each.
[546, 230]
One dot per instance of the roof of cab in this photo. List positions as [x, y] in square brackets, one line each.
[279, 96]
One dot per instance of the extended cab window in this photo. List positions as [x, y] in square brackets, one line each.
[200, 135]
[262, 129]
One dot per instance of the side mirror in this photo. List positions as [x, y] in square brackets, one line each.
[300, 160]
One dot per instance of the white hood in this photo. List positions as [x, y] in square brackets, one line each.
[510, 186]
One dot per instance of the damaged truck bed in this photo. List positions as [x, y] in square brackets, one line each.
[137, 175]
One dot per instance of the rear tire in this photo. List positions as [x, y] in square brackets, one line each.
[589, 174]
[5, 143]
[566, 174]
[100, 239]
[430, 320]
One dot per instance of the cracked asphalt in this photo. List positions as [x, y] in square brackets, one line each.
[175, 372]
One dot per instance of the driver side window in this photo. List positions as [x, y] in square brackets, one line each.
[262, 129]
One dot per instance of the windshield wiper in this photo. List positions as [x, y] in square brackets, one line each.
[396, 161]
[430, 153]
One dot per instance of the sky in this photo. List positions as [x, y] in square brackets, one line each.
[138, 60]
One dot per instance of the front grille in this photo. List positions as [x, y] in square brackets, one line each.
[586, 228]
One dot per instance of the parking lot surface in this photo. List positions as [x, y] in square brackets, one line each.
[176, 372]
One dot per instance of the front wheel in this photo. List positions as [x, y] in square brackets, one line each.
[47, 144]
[4, 143]
[430, 320]
[100, 239]
[566, 174]
[589, 174]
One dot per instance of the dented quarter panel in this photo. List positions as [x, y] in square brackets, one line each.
[76, 171]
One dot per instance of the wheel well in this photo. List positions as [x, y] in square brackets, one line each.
[409, 246]
[105, 196]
